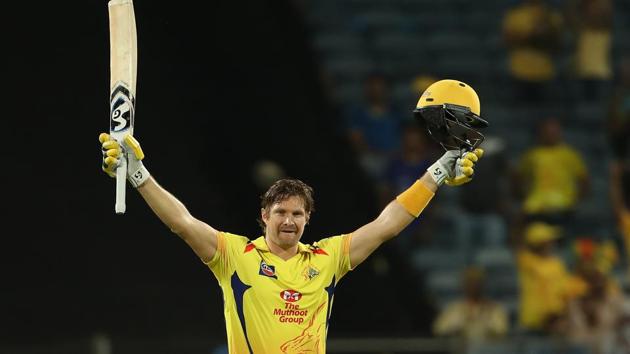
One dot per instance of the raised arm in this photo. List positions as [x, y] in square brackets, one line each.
[201, 237]
[450, 168]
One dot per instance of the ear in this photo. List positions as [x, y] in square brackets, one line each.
[264, 215]
[308, 218]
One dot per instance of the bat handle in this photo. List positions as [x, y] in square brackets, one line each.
[121, 184]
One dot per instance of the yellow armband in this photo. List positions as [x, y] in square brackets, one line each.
[415, 198]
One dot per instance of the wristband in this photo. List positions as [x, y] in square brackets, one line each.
[415, 198]
[139, 176]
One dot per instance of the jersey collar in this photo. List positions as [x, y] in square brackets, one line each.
[261, 245]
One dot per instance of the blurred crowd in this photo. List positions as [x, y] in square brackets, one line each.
[568, 283]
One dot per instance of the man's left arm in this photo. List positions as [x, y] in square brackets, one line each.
[451, 169]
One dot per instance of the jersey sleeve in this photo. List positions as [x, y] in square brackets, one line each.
[338, 248]
[222, 263]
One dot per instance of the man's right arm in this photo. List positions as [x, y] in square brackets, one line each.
[198, 235]
[201, 237]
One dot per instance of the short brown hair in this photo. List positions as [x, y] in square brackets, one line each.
[283, 189]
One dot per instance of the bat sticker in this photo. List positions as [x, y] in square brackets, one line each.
[122, 108]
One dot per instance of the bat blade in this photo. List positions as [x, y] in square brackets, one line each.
[123, 74]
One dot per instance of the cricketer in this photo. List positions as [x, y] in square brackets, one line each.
[277, 291]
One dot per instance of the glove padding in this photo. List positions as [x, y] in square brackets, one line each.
[454, 167]
[137, 174]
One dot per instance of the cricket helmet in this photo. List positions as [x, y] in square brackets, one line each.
[450, 111]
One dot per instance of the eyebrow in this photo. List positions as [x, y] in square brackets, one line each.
[283, 210]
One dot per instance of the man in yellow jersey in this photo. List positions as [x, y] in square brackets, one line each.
[277, 291]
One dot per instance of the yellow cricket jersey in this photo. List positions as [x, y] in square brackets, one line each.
[526, 61]
[273, 305]
[546, 288]
[553, 173]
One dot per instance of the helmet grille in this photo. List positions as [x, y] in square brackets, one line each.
[452, 126]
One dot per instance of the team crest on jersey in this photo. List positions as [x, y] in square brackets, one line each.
[290, 295]
[267, 270]
[310, 273]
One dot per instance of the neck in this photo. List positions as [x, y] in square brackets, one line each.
[282, 252]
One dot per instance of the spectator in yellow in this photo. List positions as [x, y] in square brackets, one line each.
[474, 318]
[545, 284]
[531, 31]
[551, 177]
[591, 22]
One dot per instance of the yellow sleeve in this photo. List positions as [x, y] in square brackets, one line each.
[222, 263]
[338, 248]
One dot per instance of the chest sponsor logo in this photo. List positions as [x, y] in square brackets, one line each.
[291, 312]
[290, 295]
[267, 270]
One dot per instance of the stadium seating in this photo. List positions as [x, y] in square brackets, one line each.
[405, 38]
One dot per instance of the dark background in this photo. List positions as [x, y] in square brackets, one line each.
[221, 85]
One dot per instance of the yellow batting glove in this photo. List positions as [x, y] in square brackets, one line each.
[464, 168]
[111, 152]
[137, 174]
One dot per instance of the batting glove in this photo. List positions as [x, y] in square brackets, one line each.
[453, 168]
[137, 174]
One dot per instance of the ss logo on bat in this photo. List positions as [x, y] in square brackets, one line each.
[122, 108]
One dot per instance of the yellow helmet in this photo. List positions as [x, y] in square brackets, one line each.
[450, 110]
[450, 91]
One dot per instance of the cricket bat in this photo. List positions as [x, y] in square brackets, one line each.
[123, 68]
